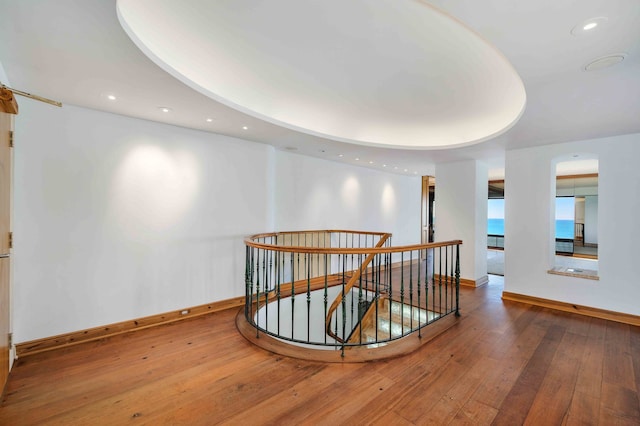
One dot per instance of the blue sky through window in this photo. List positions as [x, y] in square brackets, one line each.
[496, 208]
[565, 208]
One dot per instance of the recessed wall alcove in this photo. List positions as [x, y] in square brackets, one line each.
[574, 216]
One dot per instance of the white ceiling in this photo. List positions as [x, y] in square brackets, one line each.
[75, 51]
[399, 74]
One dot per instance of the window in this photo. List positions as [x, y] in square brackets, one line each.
[495, 215]
[576, 218]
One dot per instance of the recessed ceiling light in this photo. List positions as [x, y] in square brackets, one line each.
[340, 155]
[164, 109]
[245, 128]
[209, 120]
[370, 162]
[395, 168]
[111, 97]
[406, 170]
[604, 62]
[588, 25]
[384, 165]
[357, 159]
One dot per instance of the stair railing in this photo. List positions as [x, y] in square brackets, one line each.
[337, 288]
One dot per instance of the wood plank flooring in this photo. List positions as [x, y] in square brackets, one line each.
[503, 363]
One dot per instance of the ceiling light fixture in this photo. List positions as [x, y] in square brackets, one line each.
[340, 155]
[588, 25]
[164, 109]
[245, 128]
[370, 162]
[111, 97]
[209, 120]
[357, 159]
[604, 62]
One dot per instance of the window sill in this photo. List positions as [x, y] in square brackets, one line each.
[588, 274]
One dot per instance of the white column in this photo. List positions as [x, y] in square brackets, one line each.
[461, 213]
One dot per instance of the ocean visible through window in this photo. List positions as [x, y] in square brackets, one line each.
[564, 228]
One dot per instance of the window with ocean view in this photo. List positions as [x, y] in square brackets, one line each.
[495, 223]
[565, 217]
[495, 215]
[565, 214]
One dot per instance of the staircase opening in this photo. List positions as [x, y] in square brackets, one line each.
[336, 295]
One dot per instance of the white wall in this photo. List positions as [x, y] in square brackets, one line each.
[319, 194]
[118, 218]
[4, 79]
[461, 213]
[529, 210]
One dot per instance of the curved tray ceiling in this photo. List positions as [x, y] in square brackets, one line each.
[388, 73]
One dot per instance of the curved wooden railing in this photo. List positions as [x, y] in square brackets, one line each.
[336, 288]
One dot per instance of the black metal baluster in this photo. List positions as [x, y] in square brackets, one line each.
[446, 278]
[411, 289]
[249, 284]
[326, 295]
[440, 283]
[344, 308]
[377, 309]
[457, 275]
[420, 300]
[433, 283]
[361, 307]
[375, 283]
[267, 288]
[278, 283]
[309, 300]
[293, 291]
[247, 256]
[401, 291]
[335, 312]
[257, 293]
[452, 281]
[390, 290]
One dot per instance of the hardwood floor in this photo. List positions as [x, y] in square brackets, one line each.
[503, 363]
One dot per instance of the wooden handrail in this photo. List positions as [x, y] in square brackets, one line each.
[314, 231]
[347, 288]
[342, 250]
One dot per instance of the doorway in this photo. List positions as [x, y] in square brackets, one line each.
[427, 228]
